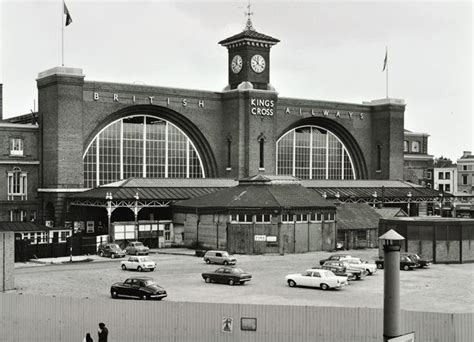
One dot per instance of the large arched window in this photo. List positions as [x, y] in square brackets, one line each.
[312, 152]
[140, 146]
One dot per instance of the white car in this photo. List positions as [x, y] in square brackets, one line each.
[138, 263]
[317, 278]
[362, 265]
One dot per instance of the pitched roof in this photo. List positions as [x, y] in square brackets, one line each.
[387, 212]
[19, 226]
[259, 193]
[357, 216]
[249, 35]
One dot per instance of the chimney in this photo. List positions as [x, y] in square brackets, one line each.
[1, 101]
[466, 154]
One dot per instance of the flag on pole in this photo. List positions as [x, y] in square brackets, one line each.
[385, 61]
[68, 16]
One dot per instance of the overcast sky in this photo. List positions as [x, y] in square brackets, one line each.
[329, 50]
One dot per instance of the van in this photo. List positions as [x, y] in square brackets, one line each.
[219, 257]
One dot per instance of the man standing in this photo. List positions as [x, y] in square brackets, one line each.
[103, 332]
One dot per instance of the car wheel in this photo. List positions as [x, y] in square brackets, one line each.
[291, 283]
[368, 272]
[406, 267]
[226, 262]
[112, 255]
[124, 267]
[101, 254]
[207, 280]
[324, 287]
[152, 269]
[231, 282]
[379, 266]
[114, 294]
[207, 261]
[139, 269]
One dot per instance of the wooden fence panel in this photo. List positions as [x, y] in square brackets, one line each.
[62, 319]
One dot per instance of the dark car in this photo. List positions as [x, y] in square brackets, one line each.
[334, 257]
[357, 272]
[337, 270]
[417, 258]
[405, 263]
[110, 250]
[138, 287]
[227, 275]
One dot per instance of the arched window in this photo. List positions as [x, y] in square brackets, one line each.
[312, 152]
[140, 146]
[17, 184]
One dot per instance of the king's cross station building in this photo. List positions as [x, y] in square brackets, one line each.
[244, 169]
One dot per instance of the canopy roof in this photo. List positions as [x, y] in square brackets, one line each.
[260, 192]
[19, 226]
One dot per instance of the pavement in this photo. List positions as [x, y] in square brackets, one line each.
[97, 258]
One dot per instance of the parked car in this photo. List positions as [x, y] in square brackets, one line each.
[334, 257]
[219, 257]
[138, 287]
[359, 273]
[418, 259]
[316, 278]
[136, 247]
[110, 250]
[227, 275]
[405, 263]
[139, 263]
[338, 270]
[370, 268]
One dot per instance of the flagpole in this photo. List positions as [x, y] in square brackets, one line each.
[386, 73]
[62, 34]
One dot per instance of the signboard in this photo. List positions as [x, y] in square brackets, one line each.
[410, 337]
[90, 226]
[249, 324]
[260, 238]
[227, 324]
[271, 239]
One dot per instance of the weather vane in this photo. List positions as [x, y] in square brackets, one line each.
[248, 13]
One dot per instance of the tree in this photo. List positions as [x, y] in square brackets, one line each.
[442, 162]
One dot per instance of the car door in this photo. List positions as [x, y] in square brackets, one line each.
[219, 275]
[315, 279]
[126, 288]
[306, 279]
[218, 258]
[135, 288]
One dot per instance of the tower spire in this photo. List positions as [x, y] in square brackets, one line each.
[248, 25]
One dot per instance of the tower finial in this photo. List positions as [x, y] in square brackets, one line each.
[249, 26]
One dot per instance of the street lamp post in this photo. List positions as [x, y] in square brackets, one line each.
[108, 197]
[409, 195]
[374, 195]
[391, 290]
[135, 211]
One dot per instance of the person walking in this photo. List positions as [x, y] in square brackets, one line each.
[103, 332]
[88, 338]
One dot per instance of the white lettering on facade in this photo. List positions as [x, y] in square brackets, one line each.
[96, 96]
[325, 112]
[313, 113]
[350, 114]
[287, 110]
[362, 116]
[151, 99]
[184, 102]
[201, 103]
[133, 99]
[338, 115]
[262, 107]
[168, 101]
[115, 97]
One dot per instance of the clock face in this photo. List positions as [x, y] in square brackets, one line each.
[236, 64]
[257, 63]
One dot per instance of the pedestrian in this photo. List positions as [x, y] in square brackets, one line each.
[88, 338]
[103, 332]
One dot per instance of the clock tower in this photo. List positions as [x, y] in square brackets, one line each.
[249, 58]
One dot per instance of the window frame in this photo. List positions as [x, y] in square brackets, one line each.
[17, 185]
[17, 147]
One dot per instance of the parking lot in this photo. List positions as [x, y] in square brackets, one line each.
[440, 288]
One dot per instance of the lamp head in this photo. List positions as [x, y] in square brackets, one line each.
[392, 241]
